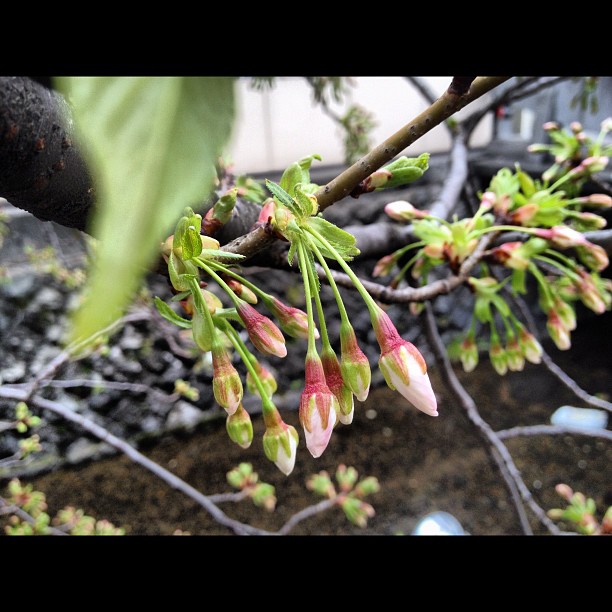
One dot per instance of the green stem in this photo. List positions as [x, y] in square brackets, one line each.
[565, 270]
[254, 288]
[208, 269]
[202, 308]
[367, 298]
[544, 287]
[312, 347]
[320, 313]
[244, 353]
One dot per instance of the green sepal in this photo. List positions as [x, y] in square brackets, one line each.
[169, 314]
[342, 241]
[179, 297]
[482, 310]
[220, 254]
[180, 272]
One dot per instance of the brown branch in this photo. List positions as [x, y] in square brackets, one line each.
[493, 445]
[445, 106]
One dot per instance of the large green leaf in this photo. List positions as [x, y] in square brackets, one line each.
[151, 144]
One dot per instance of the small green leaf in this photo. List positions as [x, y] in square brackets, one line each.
[339, 239]
[151, 144]
[191, 243]
[169, 314]
[283, 197]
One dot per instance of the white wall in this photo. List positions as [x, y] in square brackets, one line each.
[281, 125]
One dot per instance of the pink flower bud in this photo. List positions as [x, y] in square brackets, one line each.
[488, 199]
[280, 445]
[268, 211]
[354, 364]
[498, 356]
[523, 215]
[403, 366]
[590, 294]
[593, 255]
[514, 352]
[532, 350]
[404, 211]
[557, 331]
[550, 126]
[468, 353]
[264, 334]
[511, 255]
[599, 200]
[318, 407]
[336, 384]
[384, 265]
[241, 291]
[293, 321]
[239, 427]
[227, 386]
[562, 236]
[265, 376]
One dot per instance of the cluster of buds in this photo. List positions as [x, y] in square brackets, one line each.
[580, 513]
[550, 219]
[350, 494]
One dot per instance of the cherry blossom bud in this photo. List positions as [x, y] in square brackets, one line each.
[593, 255]
[293, 321]
[280, 445]
[319, 407]
[557, 331]
[227, 386]
[562, 236]
[403, 366]
[239, 427]
[590, 294]
[265, 377]
[241, 291]
[566, 313]
[263, 332]
[598, 200]
[488, 199]
[550, 126]
[514, 352]
[384, 265]
[336, 384]
[268, 211]
[511, 255]
[468, 353]
[354, 364]
[523, 215]
[404, 211]
[498, 356]
[532, 350]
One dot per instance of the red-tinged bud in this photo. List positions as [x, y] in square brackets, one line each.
[377, 179]
[532, 350]
[498, 356]
[606, 125]
[227, 386]
[593, 256]
[597, 200]
[318, 407]
[514, 352]
[241, 291]
[239, 427]
[565, 491]
[354, 364]
[264, 334]
[404, 211]
[576, 127]
[565, 312]
[293, 321]
[403, 366]
[435, 250]
[488, 199]
[523, 215]
[589, 165]
[589, 222]
[267, 212]
[590, 294]
[357, 511]
[384, 265]
[468, 353]
[511, 255]
[265, 377]
[336, 384]
[280, 443]
[562, 236]
[550, 126]
[557, 331]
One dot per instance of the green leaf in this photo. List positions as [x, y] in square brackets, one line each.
[191, 243]
[283, 197]
[342, 241]
[151, 144]
[169, 314]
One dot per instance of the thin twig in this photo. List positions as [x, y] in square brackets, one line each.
[495, 446]
[552, 430]
[569, 382]
[307, 512]
[6, 508]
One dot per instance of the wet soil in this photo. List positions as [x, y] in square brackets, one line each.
[423, 464]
